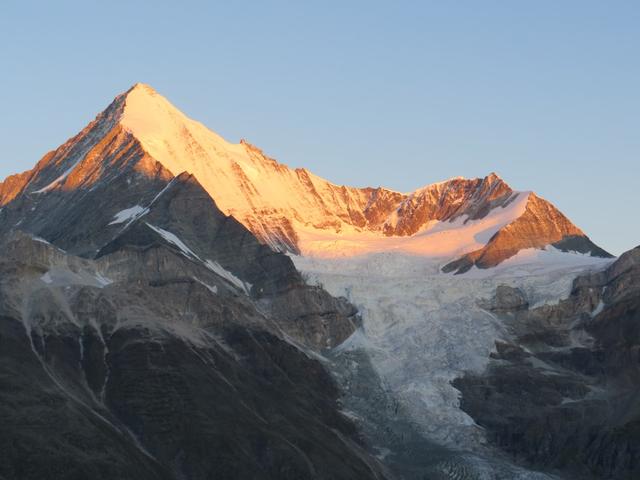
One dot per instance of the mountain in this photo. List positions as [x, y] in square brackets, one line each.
[145, 334]
[176, 306]
[462, 222]
[183, 349]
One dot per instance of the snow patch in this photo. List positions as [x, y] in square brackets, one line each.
[41, 240]
[598, 309]
[162, 191]
[210, 264]
[444, 240]
[173, 239]
[61, 178]
[227, 275]
[211, 288]
[62, 277]
[539, 261]
[102, 280]
[130, 213]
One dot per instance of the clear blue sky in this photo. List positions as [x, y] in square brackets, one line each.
[400, 94]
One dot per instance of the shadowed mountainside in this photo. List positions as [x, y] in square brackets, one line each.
[563, 393]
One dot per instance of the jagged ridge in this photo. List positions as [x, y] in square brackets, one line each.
[292, 209]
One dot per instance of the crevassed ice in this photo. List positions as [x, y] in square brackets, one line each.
[423, 328]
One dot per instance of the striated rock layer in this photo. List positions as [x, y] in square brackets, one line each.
[145, 334]
[148, 364]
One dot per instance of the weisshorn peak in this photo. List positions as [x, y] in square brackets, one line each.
[461, 222]
[173, 305]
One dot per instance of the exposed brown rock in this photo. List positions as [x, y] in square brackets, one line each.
[540, 225]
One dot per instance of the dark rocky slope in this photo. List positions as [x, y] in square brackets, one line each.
[564, 392]
[166, 372]
[195, 359]
[82, 221]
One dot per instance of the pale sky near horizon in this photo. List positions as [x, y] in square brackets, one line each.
[398, 94]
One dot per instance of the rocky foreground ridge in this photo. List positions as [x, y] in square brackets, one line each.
[183, 349]
[563, 391]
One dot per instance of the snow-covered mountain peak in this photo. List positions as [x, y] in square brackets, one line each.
[143, 134]
[166, 133]
[140, 86]
[143, 110]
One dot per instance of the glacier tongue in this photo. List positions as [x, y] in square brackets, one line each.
[423, 328]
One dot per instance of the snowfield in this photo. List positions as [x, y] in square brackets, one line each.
[422, 328]
[451, 238]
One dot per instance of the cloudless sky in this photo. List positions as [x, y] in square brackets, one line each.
[399, 94]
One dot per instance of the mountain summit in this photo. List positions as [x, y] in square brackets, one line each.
[141, 139]
[151, 320]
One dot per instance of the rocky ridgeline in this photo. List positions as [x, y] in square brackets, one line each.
[141, 137]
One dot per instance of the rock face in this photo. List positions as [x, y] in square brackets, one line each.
[146, 364]
[141, 137]
[140, 204]
[540, 225]
[564, 392]
[506, 299]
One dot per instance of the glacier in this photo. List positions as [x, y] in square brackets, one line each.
[422, 328]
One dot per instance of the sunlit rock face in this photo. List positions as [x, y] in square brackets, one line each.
[477, 222]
